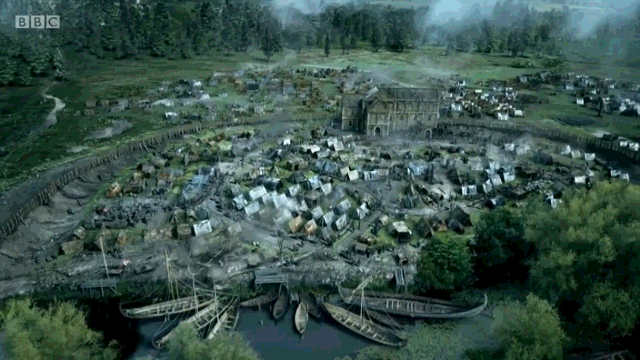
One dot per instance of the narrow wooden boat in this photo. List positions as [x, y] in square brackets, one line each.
[280, 306]
[167, 308]
[364, 327]
[312, 308]
[260, 300]
[301, 318]
[200, 320]
[413, 306]
[383, 319]
[227, 322]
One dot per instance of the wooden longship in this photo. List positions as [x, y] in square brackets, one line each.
[280, 306]
[260, 300]
[201, 319]
[227, 322]
[301, 318]
[413, 306]
[383, 319]
[364, 327]
[171, 307]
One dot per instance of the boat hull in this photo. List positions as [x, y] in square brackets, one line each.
[301, 318]
[364, 327]
[166, 308]
[260, 300]
[280, 306]
[423, 309]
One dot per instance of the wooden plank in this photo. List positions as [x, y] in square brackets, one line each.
[11, 254]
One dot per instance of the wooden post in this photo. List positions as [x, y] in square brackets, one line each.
[104, 258]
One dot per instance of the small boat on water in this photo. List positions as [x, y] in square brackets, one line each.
[281, 305]
[227, 322]
[364, 327]
[167, 308]
[260, 300]
[301, 318]
[200, 320]
[310, 303]
[409, 305]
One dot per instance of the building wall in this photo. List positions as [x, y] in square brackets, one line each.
[401, 115]
[349, 118]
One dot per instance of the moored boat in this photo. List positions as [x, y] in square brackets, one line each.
[312, 308]
[167, 307]
[200, 320]
[383, 319]
[227, 321]
[413, 306]
[364, 327]
[281, 305]
[301, 318]
[260, 300]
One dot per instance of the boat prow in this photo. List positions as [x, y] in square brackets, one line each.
[260, 300]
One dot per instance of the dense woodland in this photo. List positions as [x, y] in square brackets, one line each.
[175, 29]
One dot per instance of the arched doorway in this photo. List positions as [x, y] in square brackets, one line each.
[377, 131]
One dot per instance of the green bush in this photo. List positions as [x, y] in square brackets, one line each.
[186, 345]
[552, 62]
[445, 263]
[59, 332]
[522, 64]
[530, 331]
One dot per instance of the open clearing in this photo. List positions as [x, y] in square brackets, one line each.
[107, 79]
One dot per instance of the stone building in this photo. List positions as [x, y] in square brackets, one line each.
[384, 110]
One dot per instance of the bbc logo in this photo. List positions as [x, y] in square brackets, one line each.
[37, 21]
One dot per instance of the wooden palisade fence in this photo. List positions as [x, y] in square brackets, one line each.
[44, 196]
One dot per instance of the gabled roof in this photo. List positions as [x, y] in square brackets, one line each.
[351, 100]
[401, 93]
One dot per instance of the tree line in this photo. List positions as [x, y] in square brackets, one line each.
[580, 259]
[128, 29]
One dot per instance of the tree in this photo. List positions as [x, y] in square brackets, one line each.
[586, 247]
[186, 345]
[529, 332]
[343, 43]
[445, 263]
[59, 332]
[353, 43]
[486, 41]
[376, 37]
[501, 245]
[270, 42]
[327, 45]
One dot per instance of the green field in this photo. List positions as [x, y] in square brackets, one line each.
[92, 79]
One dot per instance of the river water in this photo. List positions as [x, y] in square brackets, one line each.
[323, 340]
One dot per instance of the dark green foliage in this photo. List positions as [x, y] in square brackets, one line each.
[59, 332]
[501, 245]
[588, 255]
[186, 345]
[530, 331]
[270, 41]
[327, 45]
[445, 263]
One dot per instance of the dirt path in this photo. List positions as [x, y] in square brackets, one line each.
[52, 117]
